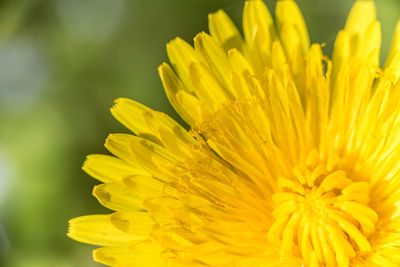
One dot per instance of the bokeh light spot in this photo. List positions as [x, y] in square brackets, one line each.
[23, 74]
[91, 20]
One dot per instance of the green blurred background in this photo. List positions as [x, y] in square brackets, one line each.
[62, 63]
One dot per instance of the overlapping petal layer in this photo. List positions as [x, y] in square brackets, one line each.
[292, 158]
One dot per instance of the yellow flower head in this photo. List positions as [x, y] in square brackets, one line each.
[292, 158]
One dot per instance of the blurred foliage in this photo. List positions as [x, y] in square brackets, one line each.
[62, 63]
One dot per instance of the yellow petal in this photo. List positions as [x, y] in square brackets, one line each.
[109, 169]
[145, 186]
[96, 230]
[336, 180]
[353, 232]
[288, 235]
[372, 44]
[181, 55]
[362, 14]
[239, 63]
[131, 114]
[255, 11]
[241, 73]
[393, 60]
[191, 105]
[137, 255]
[209, 91]
[137, 223]
[240, 86]
[341, 52]
[289, 14]
[279, 61]
[318, 90]
[171, 239]
[259, 32]
[295, 52]
[117, 197]
[151, 125]
[291, 41]
[153, 158]
[224, 31]
[118, 144]
[212, 55]
[173, 86]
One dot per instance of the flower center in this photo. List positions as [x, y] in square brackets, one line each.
[322, 215]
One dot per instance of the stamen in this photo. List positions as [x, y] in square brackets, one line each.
[322, 214]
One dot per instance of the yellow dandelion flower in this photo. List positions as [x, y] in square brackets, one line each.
[292, 158]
